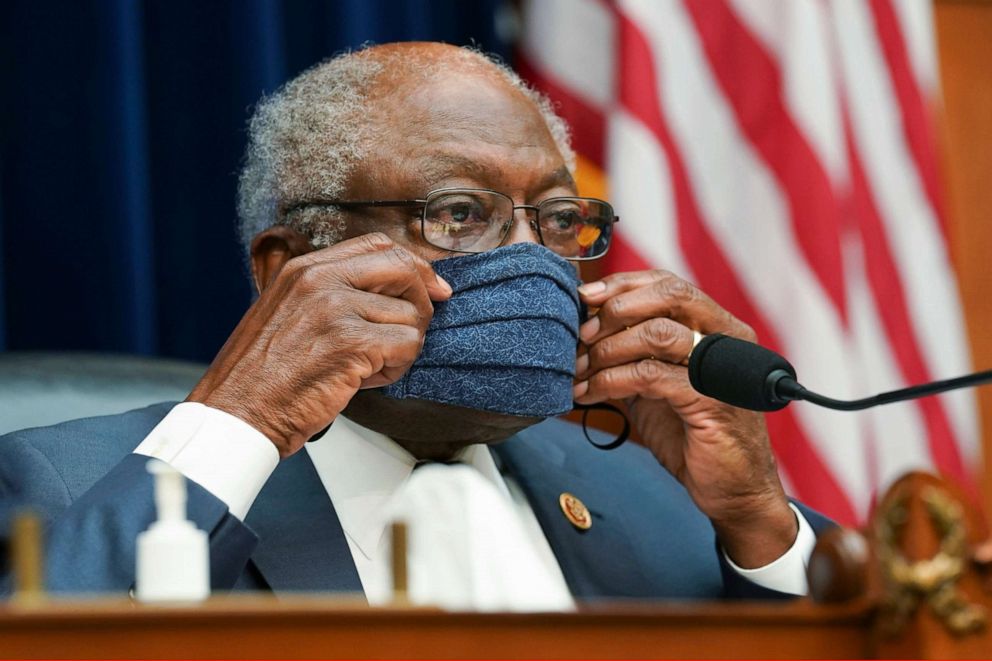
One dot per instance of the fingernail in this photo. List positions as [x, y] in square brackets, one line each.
[592, 288]
[579, 389]
[581, 364]
[444, 283]
[589, 329]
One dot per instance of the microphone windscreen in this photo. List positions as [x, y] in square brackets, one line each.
[736, 372]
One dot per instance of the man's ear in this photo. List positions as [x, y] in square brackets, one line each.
[271, 249]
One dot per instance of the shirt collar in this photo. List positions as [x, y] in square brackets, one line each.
[362, 470]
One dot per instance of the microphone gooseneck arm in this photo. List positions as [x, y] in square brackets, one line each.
[750, 376]
[787, 388]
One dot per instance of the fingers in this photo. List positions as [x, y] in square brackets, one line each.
[659, 338]
[370, 248]
[642, 332]
[627, 299]
[651, 379]
[398, 347]
[393, 336]
[392, 272]
[333, 320]
[382, 309]
[437, 288]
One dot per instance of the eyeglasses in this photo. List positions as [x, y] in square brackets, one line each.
[473, 220]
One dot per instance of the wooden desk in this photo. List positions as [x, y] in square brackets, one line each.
[313, 627]
[917, 584]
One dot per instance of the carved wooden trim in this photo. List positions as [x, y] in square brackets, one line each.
[935, 580]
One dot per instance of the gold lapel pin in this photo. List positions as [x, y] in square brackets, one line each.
[575, 511]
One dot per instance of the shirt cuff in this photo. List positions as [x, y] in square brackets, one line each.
[220, 452]
[787, 573]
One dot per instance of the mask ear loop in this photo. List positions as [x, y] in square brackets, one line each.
[603, 406]
[320, 433]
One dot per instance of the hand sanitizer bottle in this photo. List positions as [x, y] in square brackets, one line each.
[173, 556]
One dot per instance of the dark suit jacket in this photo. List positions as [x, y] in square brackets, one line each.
[647, 539]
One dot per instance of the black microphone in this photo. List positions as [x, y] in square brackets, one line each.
[749, 376]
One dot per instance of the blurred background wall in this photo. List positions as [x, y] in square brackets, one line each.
[121, 133]
[964, 39]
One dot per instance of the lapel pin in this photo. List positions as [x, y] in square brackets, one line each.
[575, 511]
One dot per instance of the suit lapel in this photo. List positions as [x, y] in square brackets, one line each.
[301, 544]
[596, 562]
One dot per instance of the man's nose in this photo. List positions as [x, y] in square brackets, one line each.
[524, 228]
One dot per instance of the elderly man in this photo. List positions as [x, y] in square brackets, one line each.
[409, 210]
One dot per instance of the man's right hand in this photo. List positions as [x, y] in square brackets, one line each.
[331, 322]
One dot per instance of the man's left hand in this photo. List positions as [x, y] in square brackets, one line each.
[637, 344]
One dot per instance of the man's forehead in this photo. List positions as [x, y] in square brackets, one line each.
[458, 102]
[440, 166]
[463, 125]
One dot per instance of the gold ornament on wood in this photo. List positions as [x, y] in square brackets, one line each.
[933, 580]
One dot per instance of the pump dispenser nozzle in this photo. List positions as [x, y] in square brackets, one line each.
[173, 557]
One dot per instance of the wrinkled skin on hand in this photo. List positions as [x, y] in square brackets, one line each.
[329, 323]
[637, 343]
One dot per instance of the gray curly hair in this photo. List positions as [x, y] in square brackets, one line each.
[305, 140]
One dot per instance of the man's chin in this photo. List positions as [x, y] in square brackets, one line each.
[418, 421]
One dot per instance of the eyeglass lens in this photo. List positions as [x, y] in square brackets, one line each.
[467, 221]
[477, 220]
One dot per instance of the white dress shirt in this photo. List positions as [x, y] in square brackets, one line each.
[362, 471]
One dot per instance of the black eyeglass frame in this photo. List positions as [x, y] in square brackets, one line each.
[355, 204]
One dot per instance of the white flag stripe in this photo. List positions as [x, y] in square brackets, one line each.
[912, 229]
[576, 45]
[913, 233]
[897, 431]
[793, 30]
[916, 25]
[642, 189]
[796, 33]
[746, 212]
[737, 193]
[961, 405]
[916, 22]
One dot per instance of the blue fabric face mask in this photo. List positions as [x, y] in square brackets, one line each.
[505, 341]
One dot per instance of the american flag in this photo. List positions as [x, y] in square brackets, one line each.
[781, 155]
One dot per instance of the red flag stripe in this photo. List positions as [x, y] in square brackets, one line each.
[917, 123]
[623, 257]
[588, 126]
[588, 129]
[890, 299]
[640, 95]
[757, 101]
[587, 122]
